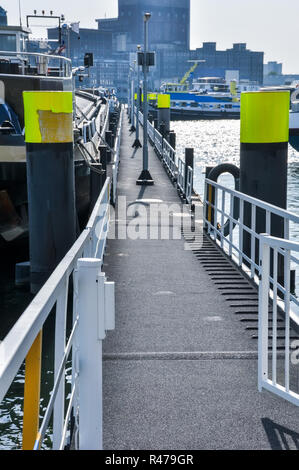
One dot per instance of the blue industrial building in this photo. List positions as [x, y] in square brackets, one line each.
[115, 40]
[3, 17]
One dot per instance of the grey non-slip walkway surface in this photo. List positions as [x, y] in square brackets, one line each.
[180, 370]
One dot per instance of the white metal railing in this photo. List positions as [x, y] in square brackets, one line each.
[115, 164]
[169, 157]
[226, 216]
[95, 128]
[93, 309]
[175, 167]
[276, 373]
[181, 175]
[189, 185]
[34, 63]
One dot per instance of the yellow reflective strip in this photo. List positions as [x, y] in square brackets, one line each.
[32, 394]
[48, 116]
[163, 101]
[265, 117]
[135, 96]
[150, 97]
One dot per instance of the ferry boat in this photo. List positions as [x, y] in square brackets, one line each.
[21, 71]
[210, 98]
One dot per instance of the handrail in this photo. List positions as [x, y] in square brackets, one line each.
[116, 160]
[262, 204]
[36, 54]
[16, 345]
[229, 229]
[65, 64]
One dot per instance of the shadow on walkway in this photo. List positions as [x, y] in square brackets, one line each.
[280, 437]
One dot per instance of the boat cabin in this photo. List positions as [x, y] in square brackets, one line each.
[13, 38]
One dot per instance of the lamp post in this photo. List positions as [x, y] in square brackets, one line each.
[132, 84]
[145, 176]
[129, 94]
[137, 143]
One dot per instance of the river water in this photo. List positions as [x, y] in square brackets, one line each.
[214, 142]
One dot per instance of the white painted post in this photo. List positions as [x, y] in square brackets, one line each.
[60, 338]
[263, 314]
[91, 304]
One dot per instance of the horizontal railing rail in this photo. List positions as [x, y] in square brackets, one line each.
[276, 373]
[116, 159]
[19, 342]
[35, 63]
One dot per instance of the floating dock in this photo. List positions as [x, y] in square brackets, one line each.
[180, 369]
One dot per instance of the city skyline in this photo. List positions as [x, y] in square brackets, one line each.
[264, 26]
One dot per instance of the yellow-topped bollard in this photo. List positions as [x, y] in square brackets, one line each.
[50, 180]
[48, 116]
[265, 117]
[264, 157]
[163, 101]
[163, 105]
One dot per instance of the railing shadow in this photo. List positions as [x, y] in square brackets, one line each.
[280, 437]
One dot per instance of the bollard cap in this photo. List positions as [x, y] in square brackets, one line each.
[150, 97]
[163, 101]
[48, 116]
[265, 117]
[89, 263]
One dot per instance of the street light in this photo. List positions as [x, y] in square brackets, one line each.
[145, 176]
[137, 143]
[132, 85]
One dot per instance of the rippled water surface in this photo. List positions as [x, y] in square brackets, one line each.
[216, 142]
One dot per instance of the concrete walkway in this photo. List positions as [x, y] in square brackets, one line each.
[180, 370]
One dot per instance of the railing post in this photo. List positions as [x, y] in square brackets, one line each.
[263, 314]
[189, 160]
[60, 338]
[91, 311]
[32, 393]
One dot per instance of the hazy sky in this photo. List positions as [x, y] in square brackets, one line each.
[271, 26]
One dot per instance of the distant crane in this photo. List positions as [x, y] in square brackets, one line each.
[190, 71]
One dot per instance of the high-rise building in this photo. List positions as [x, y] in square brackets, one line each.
[169, 24]
[3, 17]
[115, 41]
[248, 63]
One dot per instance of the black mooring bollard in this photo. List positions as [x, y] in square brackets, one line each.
[210, 197]
[264, 158]
[103, 161]
[50, 180]
[108, 139]
[189, 161]
[163, 104]
[172, 139]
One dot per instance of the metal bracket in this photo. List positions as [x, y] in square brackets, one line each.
[106, 306]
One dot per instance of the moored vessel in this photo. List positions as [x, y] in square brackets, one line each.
[23, 71]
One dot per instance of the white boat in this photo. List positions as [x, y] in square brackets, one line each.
[210, 98]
